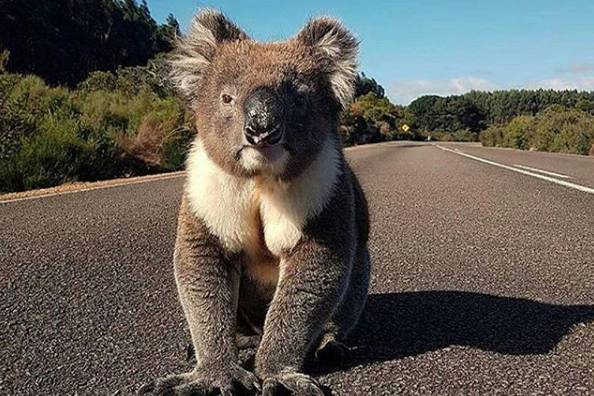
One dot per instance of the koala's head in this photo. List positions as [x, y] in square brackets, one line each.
[265, 108]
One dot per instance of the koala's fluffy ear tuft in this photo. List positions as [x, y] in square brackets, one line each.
[196, 50]
[337, 48]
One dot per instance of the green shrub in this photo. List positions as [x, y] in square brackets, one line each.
[370, 118]
[55, 135]
[99, 81]
[461, 135]
[517, 132]
[54, 155]
[556, 129]
[134, 80]
[175, 148]
[562, 130]
[157, 128]
[465, 135]
[23, 100]
[492, 136]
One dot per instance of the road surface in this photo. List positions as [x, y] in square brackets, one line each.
[483, 280]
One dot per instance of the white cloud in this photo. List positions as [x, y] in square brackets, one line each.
[403, 92]
[581, 84]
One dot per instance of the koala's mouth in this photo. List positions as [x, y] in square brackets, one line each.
[269, 138]
[268, 148]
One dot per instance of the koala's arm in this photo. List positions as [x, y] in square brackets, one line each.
[312, 281]
[207, 283]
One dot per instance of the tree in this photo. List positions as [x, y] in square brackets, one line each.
[425, 112]
[62, 41]
[370, 119]
[463, 114]
[365, 85]
[167, 33]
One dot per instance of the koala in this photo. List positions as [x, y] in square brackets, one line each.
[273, 225]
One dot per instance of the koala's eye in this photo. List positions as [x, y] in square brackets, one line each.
[227, 99]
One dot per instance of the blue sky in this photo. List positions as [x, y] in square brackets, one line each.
[441, 47]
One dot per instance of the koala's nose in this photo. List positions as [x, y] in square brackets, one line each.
[263, 118]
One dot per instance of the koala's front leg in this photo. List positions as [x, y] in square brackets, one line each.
[311, 283]
[207, 283]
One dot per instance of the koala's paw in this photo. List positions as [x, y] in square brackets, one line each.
[332, 353]
[297, 384]
[203, 381]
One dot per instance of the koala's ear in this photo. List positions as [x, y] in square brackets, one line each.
[337, 48]
[196, 50]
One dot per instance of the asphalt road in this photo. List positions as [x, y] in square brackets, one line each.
[483, 281]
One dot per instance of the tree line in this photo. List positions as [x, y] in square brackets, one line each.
[63, 41]
[476, 110]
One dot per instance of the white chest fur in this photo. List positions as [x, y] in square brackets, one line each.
[239, 210]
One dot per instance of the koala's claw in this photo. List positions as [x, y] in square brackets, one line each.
[332, 353]
[202, 381]
[297, 384]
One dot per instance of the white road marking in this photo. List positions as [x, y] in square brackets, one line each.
[101, 186]
[542, 171]
[524, 172]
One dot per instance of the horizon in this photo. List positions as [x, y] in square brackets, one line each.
[433, 48]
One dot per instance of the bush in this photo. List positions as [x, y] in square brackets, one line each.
[175, 148]
[23, 101]
[370, 118]
[518, 132]
[54, 155]
[99, 81]
[158, 133]
[567, 131]
[461, 135]
[132, 81]
[556, 129]
[103, 129]
[492, 136]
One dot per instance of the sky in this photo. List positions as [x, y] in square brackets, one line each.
[413, 48]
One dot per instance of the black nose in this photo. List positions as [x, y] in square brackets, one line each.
[263, 112]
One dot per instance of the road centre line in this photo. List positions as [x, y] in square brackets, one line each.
[564, 183]
[559, 175]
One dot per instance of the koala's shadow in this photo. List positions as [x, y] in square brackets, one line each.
[398, 325]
